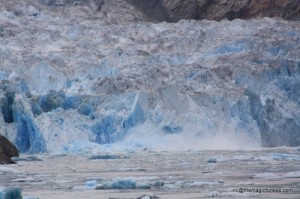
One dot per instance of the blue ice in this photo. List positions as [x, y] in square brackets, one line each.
[10, 193]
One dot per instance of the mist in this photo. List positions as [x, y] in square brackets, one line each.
[151, 137]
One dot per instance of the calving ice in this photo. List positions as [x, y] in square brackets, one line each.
[105, 81]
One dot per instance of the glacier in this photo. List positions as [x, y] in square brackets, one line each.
[75, 81]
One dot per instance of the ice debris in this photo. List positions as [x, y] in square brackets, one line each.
[287, 157]
[212, 160]
[107, 157]
[186, 184]
[217, 194]
[123, 183]
[26, 159]
[4, 170]
[91, 184]
[143, 182]
[28, 179]
[266, 175]
[293, 174]
[148, 197]
[213, 194]
[30, 197]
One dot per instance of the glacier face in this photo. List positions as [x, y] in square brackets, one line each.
[71, 78]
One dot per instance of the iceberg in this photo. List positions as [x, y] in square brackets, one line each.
[10, 193]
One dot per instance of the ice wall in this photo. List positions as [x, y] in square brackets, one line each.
[81, 82]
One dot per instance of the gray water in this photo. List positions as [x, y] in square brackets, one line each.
[178, 175]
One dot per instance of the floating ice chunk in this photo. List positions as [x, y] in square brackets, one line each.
[33, 11]
[185, 164]
[158, 183]
[213, 194]
[28, 158]
[171, 185]
[202, 183]
[294, 174]
[5, 170]
[237, 157]
[91, 184]
[118, 184]
[216, 194]
[281, 156]
[147, 178]
[107, 157]
[212, 160]
[80, 188]
[246, 183]
[30, 197]
[29, 179]
[10, 193]
[123, 183]
[181, 184]
[266, 175]
[97, 178]
[148, 197]
[278, 157]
